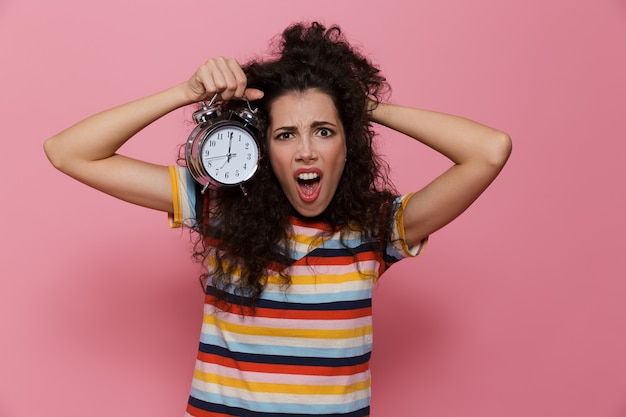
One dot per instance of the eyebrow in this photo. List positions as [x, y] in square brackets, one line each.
[314, 124]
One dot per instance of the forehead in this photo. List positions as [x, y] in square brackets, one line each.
[303, 107]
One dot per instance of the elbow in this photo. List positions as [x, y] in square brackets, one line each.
[48, 149]
[53, 153]
[499, 149]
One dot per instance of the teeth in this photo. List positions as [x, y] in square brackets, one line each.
[305, 176]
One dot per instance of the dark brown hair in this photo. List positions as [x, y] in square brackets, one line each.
[243, 234]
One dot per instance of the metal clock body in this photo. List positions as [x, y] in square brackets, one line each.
[223, 148]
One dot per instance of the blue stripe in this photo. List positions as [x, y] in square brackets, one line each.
[326, 306]
[311, 299]
[287, 350]
[235, 407]
[285, 360]
[358, 302]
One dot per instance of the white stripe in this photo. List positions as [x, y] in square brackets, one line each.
[355, 271]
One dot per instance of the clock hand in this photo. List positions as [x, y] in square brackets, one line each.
[215, 157]
[230, 142]
[232, 155]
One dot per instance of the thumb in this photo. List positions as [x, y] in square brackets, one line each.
[254, 94]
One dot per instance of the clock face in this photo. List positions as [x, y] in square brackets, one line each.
[229, 155]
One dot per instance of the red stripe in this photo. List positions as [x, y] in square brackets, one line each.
[281, 369]
[324, 227]
[314, 315]
[196, 412]
[338, 260]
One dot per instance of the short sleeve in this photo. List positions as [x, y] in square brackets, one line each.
[183, 198]
[397, 248]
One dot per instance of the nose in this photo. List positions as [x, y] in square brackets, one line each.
[306, 151]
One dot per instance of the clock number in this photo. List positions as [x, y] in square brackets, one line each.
[213, 143]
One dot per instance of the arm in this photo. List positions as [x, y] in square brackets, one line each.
[87, 151]
[478, 152]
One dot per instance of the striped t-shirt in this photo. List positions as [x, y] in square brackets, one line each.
[305, 349]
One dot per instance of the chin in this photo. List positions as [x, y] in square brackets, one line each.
[309, 211]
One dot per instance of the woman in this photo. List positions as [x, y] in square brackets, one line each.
[291, 264]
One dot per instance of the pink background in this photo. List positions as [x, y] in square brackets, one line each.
[516, 309]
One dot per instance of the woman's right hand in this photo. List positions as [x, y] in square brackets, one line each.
[219, 75]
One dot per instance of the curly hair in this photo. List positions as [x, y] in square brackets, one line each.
[242, 238]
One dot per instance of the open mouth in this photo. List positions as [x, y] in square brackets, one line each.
[308, 185]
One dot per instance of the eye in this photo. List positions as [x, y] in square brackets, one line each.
[324, 132]
[284, 136]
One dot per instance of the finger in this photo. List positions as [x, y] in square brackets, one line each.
[216, 68]
[240, 78]
[228, 80]
[204, 82]
[225, 77]
[242, 82]
[253, 94]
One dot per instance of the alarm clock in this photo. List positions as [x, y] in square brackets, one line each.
[223, 149]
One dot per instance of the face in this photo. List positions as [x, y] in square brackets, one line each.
[307, 149]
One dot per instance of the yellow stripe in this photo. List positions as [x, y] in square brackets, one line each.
[402, 232]
[211, 262]
[175, 218]
[275, 279]
[268, 387]
[400, 219]
[312, 241]
[211, 319]
[352, 276]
